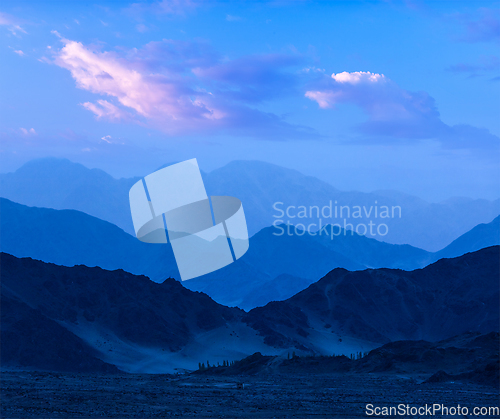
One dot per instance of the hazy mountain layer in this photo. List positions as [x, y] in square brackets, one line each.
[61, 184]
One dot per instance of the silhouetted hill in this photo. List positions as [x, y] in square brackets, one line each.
[30, 340]
[449, 297]
[127, 320]
[139, 325]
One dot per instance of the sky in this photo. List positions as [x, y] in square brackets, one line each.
[365, 95]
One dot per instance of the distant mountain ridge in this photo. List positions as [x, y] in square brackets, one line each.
[274, 268]
[107, 319]
[61, 184]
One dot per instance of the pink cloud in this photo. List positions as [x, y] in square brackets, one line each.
[178, 87]
[152, 96]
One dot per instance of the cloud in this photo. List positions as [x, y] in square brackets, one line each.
[19, 52]
[394, 112]
[483, 26]
[180, 87]
[104, 109]
[254, 78]
[108, 139]
[12, 23]
[486, 64]
[27, 132]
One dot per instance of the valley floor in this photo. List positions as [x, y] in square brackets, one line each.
[56, 395]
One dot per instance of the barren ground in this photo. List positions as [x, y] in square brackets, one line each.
[55, 395]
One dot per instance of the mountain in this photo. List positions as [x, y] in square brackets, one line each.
[69, 237]
[447, 298]
[481, 236]
[31, 340]
[61, 184]
[274, 268]
[126, 320]
[89, 319]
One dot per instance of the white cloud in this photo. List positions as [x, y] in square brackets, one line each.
[395, 112]
[19, 52]
[358, 77]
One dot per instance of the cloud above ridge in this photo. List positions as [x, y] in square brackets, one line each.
[182, 87]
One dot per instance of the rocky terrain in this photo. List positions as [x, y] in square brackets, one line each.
[113, 319]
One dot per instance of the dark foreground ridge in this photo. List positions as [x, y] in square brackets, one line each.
[84, 319]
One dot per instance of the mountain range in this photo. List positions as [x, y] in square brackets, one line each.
[90, 319]
[274, 268]
[61, 184]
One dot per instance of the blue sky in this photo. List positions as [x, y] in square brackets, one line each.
[363, 94]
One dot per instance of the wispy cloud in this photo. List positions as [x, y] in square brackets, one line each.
[20, 53]
[181, 87]
[486, 64]
[253, 78]
[13, 24]
[27, 132]
[104, 109]
[396, 113]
